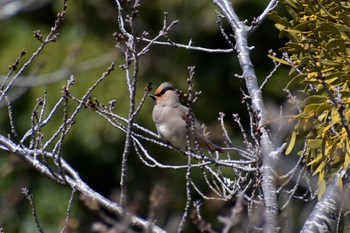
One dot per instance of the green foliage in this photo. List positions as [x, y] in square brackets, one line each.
[318, 53]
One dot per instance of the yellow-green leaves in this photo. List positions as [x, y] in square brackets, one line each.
[319, 57]
[279, 60]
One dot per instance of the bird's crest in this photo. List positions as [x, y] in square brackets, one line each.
[163, 88]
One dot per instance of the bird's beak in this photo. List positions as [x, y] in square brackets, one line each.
[153, 98]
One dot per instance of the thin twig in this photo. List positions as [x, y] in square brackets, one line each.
[188, 195]
[69, 208]
[273, 71]
[51, 37]
[29, 197]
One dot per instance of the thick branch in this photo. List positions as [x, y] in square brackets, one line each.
[268, 151]
[325, 215]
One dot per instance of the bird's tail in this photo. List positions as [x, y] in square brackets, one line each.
[212, 147]
[205, 143]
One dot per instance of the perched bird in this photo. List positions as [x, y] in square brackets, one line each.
[173, 120]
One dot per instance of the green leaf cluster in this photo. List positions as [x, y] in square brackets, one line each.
[318, 53]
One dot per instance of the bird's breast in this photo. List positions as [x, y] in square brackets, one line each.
[175, 134]
[170, 125]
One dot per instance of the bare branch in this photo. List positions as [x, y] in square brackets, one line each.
[273, 71]
[259, 20]
[188, 46]
[269, 179]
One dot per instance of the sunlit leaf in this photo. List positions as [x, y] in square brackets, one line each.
[320, 167]
[318, 158]
[321, 185]
[335, 116]
[279, 60]
[323, 109]
[347, 155]
[291, 143]
[316, 99]
[310, 109]
[340, 183]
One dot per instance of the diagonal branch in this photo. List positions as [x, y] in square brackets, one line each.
[325, 215]
[258, 21]
[73, 181]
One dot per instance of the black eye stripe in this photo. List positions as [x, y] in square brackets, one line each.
[163, 91]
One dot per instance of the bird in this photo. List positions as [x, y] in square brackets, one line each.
[173, 120]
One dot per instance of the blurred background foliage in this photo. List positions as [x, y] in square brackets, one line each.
[84, 49]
